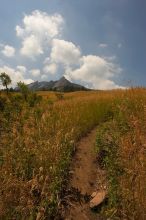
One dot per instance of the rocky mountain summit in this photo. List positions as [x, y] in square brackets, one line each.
[62, 85]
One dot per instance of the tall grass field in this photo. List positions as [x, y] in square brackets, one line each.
[38, 138]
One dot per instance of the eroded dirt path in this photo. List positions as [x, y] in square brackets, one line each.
[86, 178]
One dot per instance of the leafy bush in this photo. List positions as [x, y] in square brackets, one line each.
[34, 99]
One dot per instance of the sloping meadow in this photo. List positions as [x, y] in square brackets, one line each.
[121, 148]
[36, 145]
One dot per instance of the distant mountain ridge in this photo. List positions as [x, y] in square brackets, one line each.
[61, 85]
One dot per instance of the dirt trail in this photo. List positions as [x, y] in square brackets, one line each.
[86, 179]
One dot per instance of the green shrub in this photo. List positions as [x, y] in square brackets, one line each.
[3, 102]
[34, 99]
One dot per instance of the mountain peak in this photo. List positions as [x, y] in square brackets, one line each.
[62, 82]
[62, 85]
[63, 79]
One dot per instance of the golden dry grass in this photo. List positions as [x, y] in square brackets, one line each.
[123, 140]
[36, 145]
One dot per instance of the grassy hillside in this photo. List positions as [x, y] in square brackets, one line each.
[121, 145]
[37, 140]
[36, 146]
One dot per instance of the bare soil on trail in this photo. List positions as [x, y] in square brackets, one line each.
[86, 178]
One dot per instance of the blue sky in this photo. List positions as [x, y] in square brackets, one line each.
[100, 44]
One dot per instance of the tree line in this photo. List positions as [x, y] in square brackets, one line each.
[30, 97]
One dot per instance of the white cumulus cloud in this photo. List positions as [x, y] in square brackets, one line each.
[37, 29]
[40, 34]
[22, 69]
[65, 52]
[8, 51]
[31, 47]
[51, 68]
[35, 72]
[96, 71]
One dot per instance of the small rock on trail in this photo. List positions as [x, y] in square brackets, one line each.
[98, 198]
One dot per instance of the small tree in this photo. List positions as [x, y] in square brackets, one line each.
[23, 89]
[6, 80]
